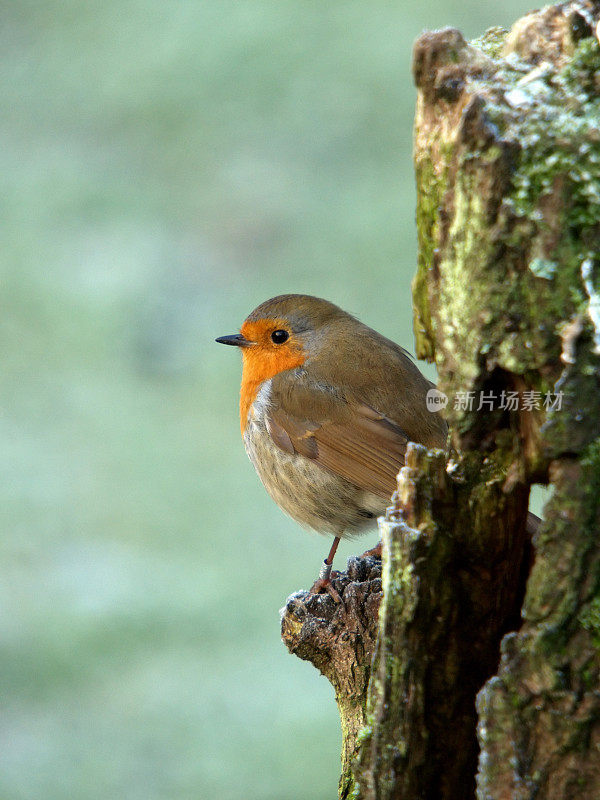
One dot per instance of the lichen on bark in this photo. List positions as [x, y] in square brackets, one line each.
[515, 155]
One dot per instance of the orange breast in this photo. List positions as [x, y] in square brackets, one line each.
[264, 360]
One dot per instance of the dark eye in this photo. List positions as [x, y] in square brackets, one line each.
[279, 337]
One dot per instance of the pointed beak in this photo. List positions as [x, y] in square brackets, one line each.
[236, 339]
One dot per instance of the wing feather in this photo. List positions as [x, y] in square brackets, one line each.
[352, 440]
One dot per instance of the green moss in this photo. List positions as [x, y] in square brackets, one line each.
[572, 540]
[364, 734]
[560, 150]
[590, 463]
[583, 70]
[430, 189]
[589, 618]
[492, 41]
[589, 677]
[559, 157]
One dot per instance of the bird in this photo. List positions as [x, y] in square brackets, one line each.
[327, 408]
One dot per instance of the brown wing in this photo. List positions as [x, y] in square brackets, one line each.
[347, 438]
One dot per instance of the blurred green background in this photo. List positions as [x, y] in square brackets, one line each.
[165, 167]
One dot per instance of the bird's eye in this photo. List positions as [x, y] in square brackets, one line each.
[279, 337]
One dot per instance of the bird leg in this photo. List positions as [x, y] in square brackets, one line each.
[323, 582]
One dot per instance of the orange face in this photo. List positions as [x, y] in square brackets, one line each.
[274, 350]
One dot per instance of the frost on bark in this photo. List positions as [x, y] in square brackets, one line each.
[485, 679]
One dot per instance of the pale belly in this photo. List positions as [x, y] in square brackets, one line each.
[311, 495]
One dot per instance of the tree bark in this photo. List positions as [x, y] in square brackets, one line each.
[339, 639]
[467, 698]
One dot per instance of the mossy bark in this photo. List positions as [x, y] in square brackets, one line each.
[455, 556]
[468, 696]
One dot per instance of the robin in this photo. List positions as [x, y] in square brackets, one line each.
[327, 407]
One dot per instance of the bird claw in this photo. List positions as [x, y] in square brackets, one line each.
[325, 585]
